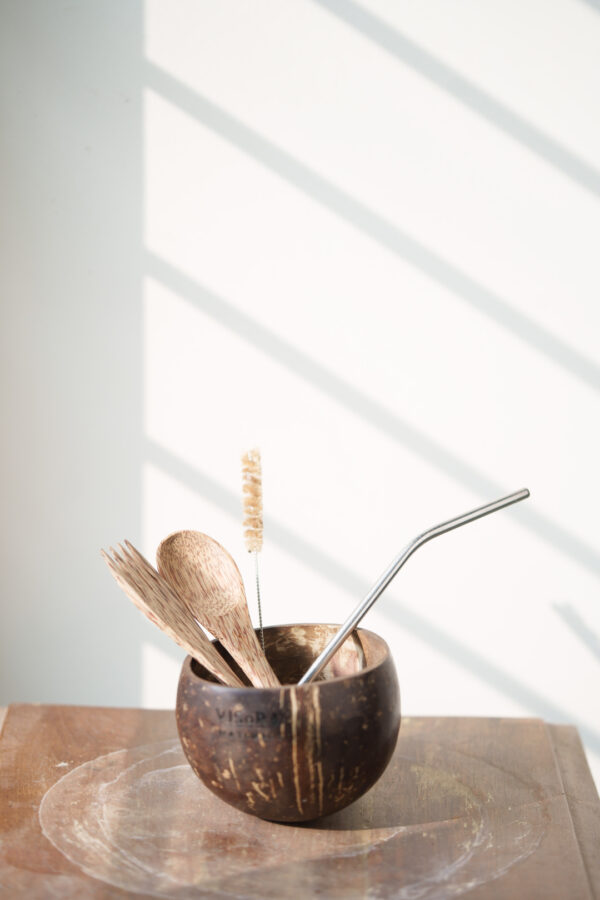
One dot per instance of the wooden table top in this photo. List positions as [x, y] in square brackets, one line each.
[101, 803]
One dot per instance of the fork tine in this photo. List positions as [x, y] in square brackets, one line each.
[135, 553]
[135, 558]
[111, 561]
[116, 554]
[124, 552]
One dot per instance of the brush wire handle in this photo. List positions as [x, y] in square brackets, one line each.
[365, 605]
[258, 601]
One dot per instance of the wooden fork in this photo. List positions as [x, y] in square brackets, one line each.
[149, 591]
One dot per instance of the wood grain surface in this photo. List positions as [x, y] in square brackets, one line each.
[206, 576]
[101, 803]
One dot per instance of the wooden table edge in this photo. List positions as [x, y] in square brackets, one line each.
[581, 796]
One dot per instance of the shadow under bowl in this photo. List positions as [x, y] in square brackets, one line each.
[296, 752]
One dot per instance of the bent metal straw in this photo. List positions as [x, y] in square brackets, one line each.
[365, 605]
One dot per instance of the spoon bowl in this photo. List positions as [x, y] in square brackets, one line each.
[204, 574]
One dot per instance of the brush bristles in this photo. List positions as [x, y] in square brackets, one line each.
[252, 500]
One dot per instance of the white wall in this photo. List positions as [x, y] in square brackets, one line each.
[363, 237]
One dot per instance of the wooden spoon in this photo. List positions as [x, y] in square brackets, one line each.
[161, 604]
[206, 577]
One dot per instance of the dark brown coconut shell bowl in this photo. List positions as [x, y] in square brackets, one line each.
[298, 752]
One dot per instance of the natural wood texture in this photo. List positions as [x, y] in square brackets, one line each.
[207, 578]
[99, 803]
[294, 753]
[581, 796]
[162, 605]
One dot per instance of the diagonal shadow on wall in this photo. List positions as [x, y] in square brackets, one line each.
[571, 617]
[595, 4]
[371, 223]
[463, 90]
[362, 405]
[315, 559]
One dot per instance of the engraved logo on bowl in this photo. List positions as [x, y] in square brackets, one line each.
[243, 724]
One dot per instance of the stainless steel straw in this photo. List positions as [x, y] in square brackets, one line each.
[378, 588]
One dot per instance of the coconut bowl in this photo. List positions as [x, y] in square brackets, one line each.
[297, 752]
